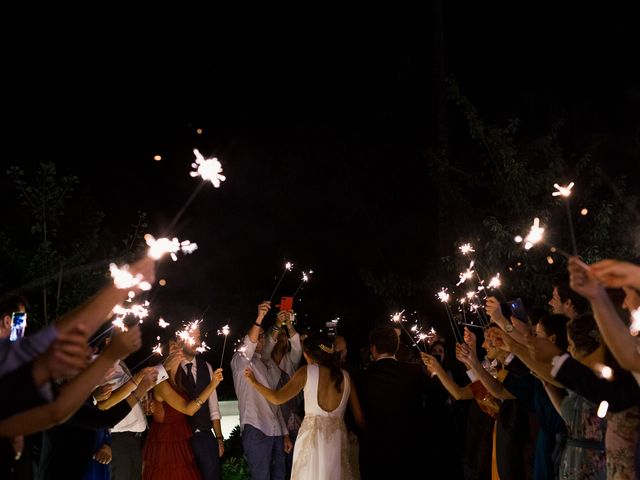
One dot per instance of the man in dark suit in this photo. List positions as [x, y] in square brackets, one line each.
[194, 375]
[390, 394]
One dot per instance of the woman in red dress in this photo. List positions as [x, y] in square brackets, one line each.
[167, 454]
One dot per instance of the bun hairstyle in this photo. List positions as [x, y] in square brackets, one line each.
[584, 334]
[320, 348]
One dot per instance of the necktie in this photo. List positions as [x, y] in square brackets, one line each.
[190, 381]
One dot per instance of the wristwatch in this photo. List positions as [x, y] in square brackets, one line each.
[508, 328]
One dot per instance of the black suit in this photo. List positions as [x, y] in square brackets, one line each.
[390, 394]
[621, 393]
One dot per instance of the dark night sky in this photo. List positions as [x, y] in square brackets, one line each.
[320, 112]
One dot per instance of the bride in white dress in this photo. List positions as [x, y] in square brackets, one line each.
[321, 449]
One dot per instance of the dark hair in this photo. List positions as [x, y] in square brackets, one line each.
[556, 325]
[584, 334]
[320, 347]
[580, 304]
[440, 342]
[10, 304]
[385, 339]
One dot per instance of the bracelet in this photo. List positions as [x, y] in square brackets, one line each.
[276, 328]
[198, 401]
[257, 324]
[134, 382]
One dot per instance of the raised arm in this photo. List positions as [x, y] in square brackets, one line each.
[455, 390]
[125, 389]
[286, 393]
[615, 333]
[493, 386]
[164, 392]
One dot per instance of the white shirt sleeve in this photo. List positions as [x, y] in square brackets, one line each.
[214, 408]
[557, 363]
[296, 351]
[269, 345]
[243, 355]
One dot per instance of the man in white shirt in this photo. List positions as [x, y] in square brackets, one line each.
[127, 435]
[195, 374]
[265, 437]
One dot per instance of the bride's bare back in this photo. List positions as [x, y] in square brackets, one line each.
[328, 397]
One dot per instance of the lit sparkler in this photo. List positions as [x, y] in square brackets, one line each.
[305, 279]
[161, 246]
[157, 350]
[444, 297]
[203, 347]
[123, 279]
[466, 275]
[495, 282]
[225, 331]
[466, 248]
[287, 268]
[210, 169]
[565, 192]
[162, 323]
[534, 236]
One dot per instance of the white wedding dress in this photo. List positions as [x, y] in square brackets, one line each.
[321, 450]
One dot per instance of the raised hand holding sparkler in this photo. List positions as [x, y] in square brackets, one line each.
[287, 268]
[565, 192]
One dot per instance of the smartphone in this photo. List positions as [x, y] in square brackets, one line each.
[18, 325]
[518, 311]
[286, 303]
[331, 329]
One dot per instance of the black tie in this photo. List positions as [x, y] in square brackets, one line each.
[190, 380]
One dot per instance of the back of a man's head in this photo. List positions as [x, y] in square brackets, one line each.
[385, 340]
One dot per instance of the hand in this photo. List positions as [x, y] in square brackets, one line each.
[103, 455]
[65, 357]
[616, 274]
[220, 447]
[124, 343]
[582, 280]
[542, 349]
[148, 380]
[217, 377]
[501, 339]
[494, 310]
[465, 355]
[470, 338]
[288, 445]
[248, 374]
[172, 362]
[430, 362]
[146, 267]
[263, 309]
[281, 318]
[148, 405]
[103, 392]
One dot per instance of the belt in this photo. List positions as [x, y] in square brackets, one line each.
[128, 434]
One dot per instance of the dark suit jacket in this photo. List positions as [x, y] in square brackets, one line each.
[67, 449]
[24, 394]
[390, 394]
[621, 393]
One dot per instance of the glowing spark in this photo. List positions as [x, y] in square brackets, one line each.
[119, 322]
[305, 278]
[186, 337]
[193, 325]
[518, 239]
[162, 323]
[464, 276]
[634, 329]
[562, 191]
[397, 317]
[224, 331]
[470, 295]
[534, 235]
[208, 168]
[159, 247]
[288, 266]
[466, 248]
[202, 348]
[495, 282]
[414, 328]
[584, 211]
[157, 349]
[602, 409]
[443, 296]
[123, 279]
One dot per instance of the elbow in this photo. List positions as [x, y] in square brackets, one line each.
[57, 414]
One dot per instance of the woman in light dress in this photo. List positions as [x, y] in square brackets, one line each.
[321, 449]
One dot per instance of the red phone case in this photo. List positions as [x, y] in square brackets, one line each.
[286, 303]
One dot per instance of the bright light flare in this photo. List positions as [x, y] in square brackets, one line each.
[288, 266]
[210, 169]
[443, 296]
[162, 323]
[603, 408]
[157, 349]
[202, 348]
[124, 279]
[495, 282]
[466, 248]
[225, 331]
[534, 236]
[161, 246]
[398, 317]
[562, 191]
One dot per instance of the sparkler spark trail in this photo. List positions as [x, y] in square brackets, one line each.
[565, 192]
[466, 248]
[467, 275]
[534, 236]
[203, 347]
[123, 279]
[495, 282]
[287, 268]
[157, 349]
[399, 318]
[305, 279]
[161, 246]
[162, 323]
[444, 297]
[225, 332]
[210, 169]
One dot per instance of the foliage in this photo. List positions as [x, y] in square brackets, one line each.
[52, 249]
[234, 466]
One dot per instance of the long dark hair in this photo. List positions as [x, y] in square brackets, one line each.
[584, 334]
[556, 324]
[320, 347]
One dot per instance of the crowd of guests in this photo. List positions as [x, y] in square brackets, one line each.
[543, 395]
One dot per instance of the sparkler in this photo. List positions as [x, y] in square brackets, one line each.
[443, 296]
[466, 275]
[466, 248]
[162, 323]
[534, 236]
[305, 279]
[209, 169]
[287, 268]
[123, 279]
[565, 192]
[161, 246]
[399, 318]
[157, 350]
[225, 332]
